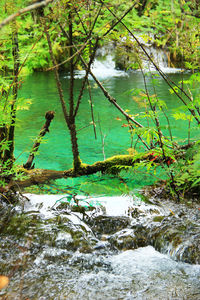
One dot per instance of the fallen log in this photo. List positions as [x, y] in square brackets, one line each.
[111, 165]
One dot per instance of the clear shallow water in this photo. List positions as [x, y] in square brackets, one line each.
[55, 152]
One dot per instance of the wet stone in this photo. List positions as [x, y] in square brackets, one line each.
[180, 240]
[108, 224]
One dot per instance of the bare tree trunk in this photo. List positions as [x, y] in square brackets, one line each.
[71, 122]
[69, 115]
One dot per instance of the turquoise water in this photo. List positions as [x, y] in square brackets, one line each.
[55, 152]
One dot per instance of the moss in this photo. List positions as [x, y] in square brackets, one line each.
[158, 218]
[77, 164]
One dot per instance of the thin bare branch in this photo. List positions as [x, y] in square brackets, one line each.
[24, 10]
[91, 108]
[86, 77]
[110, 98]
[120, 19]
[58, 83]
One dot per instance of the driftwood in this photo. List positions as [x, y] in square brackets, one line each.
[49, 117]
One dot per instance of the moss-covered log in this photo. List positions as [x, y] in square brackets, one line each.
[40, 176]
[110, 165]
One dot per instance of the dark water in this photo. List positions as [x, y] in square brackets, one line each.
[55, 152]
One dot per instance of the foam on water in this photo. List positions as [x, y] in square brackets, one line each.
[143, 273]
[103, 69]
[113, 206]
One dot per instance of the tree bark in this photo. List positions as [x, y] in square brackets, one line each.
[49, 117]
[9, 153]
[74, 143]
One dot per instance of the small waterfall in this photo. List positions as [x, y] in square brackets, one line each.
[103, 66]
[158, 55]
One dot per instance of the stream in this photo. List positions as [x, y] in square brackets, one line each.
[99, 236]
[100, 248]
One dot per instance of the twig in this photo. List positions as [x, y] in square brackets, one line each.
[86, 78]
[91, 108]
[24, 10]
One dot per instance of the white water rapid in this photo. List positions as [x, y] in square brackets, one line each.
[104, 67]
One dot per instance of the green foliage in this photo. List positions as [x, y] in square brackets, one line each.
[191, 86]
[171, 25]
[77, 204]
[187, 173]
[6, 172]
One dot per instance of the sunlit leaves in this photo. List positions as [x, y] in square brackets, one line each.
[23, 104]
[181, 116]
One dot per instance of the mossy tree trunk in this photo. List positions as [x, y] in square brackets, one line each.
[112, 165]
[9, 152]
[49, 117]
